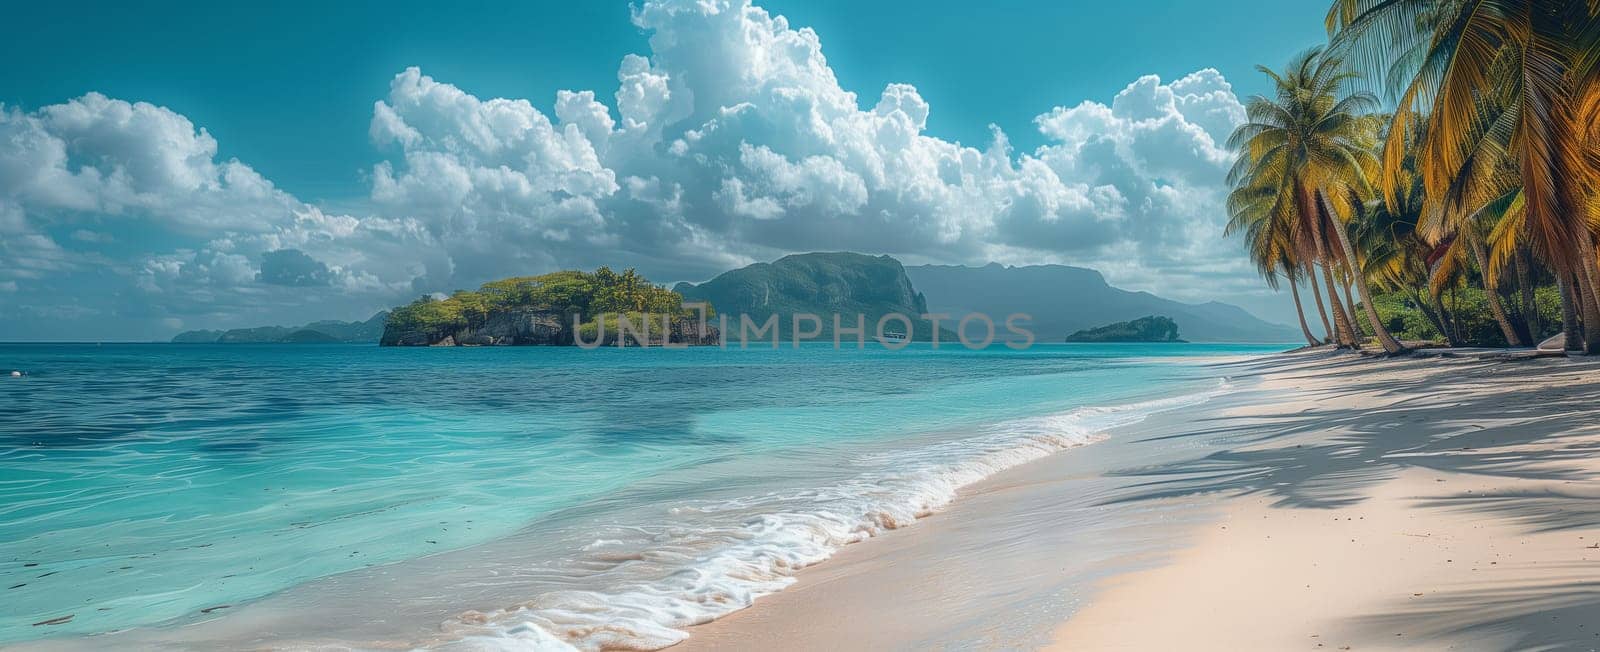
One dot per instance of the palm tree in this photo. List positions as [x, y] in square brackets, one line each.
[1569, 316]
[1311, 147]
[1475, 230]
[1269, 242]
[1503, 79]
[1398, 256]
[1528, 306]
[1316, 293]
[1488, 182]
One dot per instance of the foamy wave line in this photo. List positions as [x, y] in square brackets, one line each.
[717, 570]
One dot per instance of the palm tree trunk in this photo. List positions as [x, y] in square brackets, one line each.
[1588, 287]
[1578, 301]
[1343, 333]
[1390, 345]
[1433, 317]
[1348, 300]
[1301, 313]
[1448, 320]
[1589, 315]
[1589, 311]
[1569, 314]
[1455, 315]
[1316, 293]
[1492, 293]
[1530, 307]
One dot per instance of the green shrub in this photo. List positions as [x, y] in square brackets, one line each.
[1467, 308]
[574, 292]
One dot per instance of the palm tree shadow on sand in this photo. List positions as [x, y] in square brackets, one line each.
[1430, 427]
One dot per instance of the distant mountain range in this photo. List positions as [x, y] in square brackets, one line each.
[821, 284]
[314, 332]
[1063, 300]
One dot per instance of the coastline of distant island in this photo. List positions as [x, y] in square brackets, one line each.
[317, 332]
[816, 283]
[566, 308]
[1154, 328]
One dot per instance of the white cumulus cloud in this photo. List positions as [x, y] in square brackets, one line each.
[730, 141]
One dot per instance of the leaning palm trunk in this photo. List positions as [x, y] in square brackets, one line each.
[1344, 334]
[1349, 301]
[1573, 340]
[1300, 312]
[1316, 293]
[1434, 318]
[1491, 292]
[1390, 345]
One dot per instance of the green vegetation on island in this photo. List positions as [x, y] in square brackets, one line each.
[821, 284]
[1154, 328]
[540, 310]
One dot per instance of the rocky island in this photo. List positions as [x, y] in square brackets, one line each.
[1154, 328]
[557, 309]
[824, 284]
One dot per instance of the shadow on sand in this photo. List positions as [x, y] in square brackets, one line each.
[1416, 421]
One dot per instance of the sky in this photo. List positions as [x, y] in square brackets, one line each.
[213, 165]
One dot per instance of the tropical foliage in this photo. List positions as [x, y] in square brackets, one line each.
[577, 293]
[1461, 208]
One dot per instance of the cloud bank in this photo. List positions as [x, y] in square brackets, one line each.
[731, 142]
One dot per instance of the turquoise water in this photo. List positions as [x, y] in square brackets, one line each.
[142, 484]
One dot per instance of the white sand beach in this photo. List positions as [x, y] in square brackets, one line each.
[1332, 502]
[1324, 501]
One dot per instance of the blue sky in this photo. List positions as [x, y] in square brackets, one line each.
[288, 91]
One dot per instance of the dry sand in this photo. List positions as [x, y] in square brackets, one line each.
[1336, 503]
[1437, 505]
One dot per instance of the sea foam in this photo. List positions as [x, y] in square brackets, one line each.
[718, 556]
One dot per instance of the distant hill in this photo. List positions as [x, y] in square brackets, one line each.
[565, 308]
[197, 337]
[1064, 300]
[308, 336]
[822, 284]
[317, 331]
[1144, 329]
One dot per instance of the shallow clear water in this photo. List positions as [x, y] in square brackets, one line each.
[644, 488]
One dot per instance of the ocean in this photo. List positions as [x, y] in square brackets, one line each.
[488, 497]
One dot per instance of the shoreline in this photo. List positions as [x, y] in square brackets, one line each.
[369, 608]
[1491, 460]
[1323, 501]
[987, 571]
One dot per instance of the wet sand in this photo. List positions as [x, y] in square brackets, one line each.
[1332, 502]
[1328, 501]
